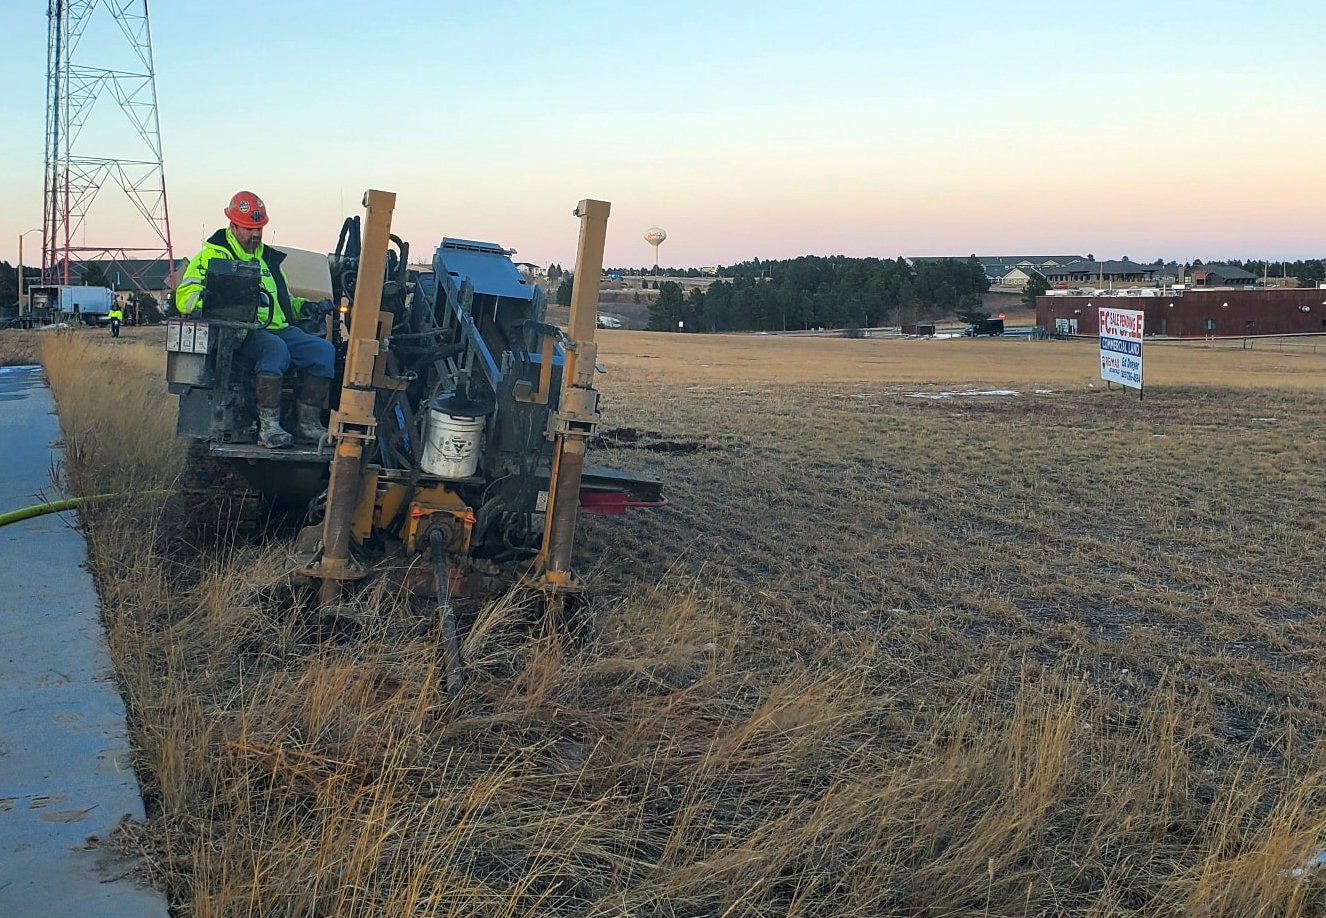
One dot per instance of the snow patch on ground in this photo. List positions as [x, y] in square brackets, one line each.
[964, 394]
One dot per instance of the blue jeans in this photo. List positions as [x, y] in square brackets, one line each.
[276, 351]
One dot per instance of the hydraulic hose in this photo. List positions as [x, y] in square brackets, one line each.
[56, 506]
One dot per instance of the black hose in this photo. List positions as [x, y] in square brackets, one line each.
[447, 612]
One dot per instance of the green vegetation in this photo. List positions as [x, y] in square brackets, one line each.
[973, 315]
[1310, 273]
[8, 284]
[667, 310]
[94, 275]
[1037, 285]
[565, 287]
[655, 272]
[811, 291]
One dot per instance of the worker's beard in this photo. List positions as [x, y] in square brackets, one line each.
[248, 242]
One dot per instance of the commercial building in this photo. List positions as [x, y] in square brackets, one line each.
[1191, 313]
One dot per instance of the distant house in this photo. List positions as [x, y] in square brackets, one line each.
[1033, 261]
[1008, 270]
[132, 275]
[1100, 272]
[1168, 273]
[1019, 277]
[1016, 270]
[1220, 276]
[532, 273]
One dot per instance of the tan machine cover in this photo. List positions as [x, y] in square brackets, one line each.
[308, 273]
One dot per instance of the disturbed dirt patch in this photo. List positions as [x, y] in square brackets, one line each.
[624, 437]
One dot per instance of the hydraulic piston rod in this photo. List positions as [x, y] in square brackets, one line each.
[577, 415]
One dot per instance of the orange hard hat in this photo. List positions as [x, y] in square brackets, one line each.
[247, 209]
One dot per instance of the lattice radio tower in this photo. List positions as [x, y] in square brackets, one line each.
[120, 43]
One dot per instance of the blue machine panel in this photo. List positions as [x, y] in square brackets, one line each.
[486, 265]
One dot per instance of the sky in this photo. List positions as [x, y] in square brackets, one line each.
[744, 129]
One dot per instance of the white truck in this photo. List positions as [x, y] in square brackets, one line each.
[91, 304]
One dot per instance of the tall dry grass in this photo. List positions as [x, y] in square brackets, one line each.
[20, 347]
[881, 656]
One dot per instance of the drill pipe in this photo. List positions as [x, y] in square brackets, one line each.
[562, 526]
[437, 541]
[342, 495]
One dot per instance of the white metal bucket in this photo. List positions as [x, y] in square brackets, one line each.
[451, 447]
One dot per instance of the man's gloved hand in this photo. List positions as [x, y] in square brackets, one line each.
[316, 309]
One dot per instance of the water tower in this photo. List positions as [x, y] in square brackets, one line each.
[655, 236]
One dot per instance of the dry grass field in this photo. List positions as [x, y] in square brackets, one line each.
[892, 650]
[19, 348]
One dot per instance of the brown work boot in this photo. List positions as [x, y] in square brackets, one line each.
[312, 394]
[271, 434]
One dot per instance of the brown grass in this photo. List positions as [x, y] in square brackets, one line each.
[1053, 653]
[1015, 362]
[19, 348]
[22, 347]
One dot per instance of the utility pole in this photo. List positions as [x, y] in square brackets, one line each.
[21, 310]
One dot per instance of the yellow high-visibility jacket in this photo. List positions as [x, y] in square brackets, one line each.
[222, 244]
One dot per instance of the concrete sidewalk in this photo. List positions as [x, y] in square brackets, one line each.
[65, 767]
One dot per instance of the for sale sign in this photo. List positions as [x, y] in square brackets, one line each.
[1121, 347]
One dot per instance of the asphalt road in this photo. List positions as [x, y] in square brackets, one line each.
[66, 775]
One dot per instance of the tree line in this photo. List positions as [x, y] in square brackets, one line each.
[822, 292]
[1310, 272]
[94, 275]
[660, 272]
[9, 281]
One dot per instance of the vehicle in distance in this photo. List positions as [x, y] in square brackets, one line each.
[986, 327]
[26, 321]
[609, 321]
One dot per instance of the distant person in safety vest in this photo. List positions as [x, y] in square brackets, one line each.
[116, 316]
[281, 344]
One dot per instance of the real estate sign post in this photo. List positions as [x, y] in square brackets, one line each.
[1121, 347]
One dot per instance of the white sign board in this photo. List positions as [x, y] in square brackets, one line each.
[1121, 347]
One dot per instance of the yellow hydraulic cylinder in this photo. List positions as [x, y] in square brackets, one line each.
[354, 423]
[577, 414]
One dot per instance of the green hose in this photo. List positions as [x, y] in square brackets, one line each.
[55, 506]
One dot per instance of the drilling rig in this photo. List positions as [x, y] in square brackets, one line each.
[459, 420]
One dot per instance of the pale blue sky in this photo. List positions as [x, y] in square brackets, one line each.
[1169, 128]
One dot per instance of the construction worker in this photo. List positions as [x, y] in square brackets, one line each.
[116, 316]
[279, 345]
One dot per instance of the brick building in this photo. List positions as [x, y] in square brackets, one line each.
[1193, 313]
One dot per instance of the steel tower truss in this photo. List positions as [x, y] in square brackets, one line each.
[73, 180]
